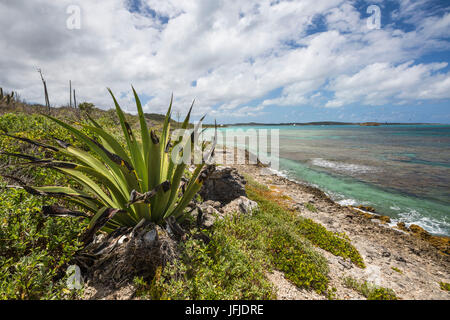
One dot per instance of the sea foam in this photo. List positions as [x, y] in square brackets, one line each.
[342, 166]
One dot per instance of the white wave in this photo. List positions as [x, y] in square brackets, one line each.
[347, 202]
[342, 166]
[428, 223]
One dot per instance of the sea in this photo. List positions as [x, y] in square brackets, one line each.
[402, 171]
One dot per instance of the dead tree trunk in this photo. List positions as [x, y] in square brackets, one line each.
[47, 101]
[70, 93]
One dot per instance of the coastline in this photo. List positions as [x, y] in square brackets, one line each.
[411, 262]
[441, 242]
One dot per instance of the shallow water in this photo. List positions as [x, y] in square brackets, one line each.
[402, 171]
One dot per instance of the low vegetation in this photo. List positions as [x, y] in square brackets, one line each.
[444, 286]
[310, 207]
[34, 250]
[397, 270]
[228, 261]
[370, 291]
[243, 248]
[318, 235]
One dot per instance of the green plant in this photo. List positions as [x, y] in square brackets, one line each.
[310, 207]
[337, 244]
[34, 251]
[223, 269]
[86, 107]
[444, 286]
[396, 270]
[120, 185]
[370, 291]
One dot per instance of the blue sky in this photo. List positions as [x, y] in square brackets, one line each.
[243, 61]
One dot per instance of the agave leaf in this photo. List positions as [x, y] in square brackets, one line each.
[110, 142]
[94, 146]
[101, 218]
[36, 143]
[177, 209]
[154, 162]
[89, 205]
[145, 134]
[57, 211]
[19, 155]
[137, 158]
[136, 197]
[122, 182]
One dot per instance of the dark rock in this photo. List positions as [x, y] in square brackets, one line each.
[402, 226]
[419, 231]
[224, 185]
[366, 208]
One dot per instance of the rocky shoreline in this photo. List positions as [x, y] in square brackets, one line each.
[408, 260]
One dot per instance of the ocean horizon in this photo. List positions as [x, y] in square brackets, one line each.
[403, 171]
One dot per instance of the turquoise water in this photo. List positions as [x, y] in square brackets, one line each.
[402, 171]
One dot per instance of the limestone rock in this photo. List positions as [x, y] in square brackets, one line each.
[241, 205]
[209, 215]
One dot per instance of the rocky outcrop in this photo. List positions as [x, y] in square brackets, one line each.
[223, 193]
[224, 185]
[442, 243]
[241, 204]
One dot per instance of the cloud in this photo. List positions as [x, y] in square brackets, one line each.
[380, 83]
[228, 55]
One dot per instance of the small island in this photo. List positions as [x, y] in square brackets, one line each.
[370, 124]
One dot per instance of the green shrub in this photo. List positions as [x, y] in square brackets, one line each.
[34, 251]
[370, 291]
[306, 228]
[86, 107]
[397, 270]
[121, 185]
[310, 207]
[444, 286]
[223, 269]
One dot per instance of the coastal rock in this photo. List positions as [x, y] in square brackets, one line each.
[368, 213]
[366, 208]
[208, 215]
[214, 204]
[224, 185]
[382, 248]
[420, 232]
[242, 205]
[442, 243]
[402, 226]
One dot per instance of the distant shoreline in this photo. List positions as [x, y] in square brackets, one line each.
[333, 123]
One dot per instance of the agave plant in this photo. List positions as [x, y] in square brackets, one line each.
[122, 186]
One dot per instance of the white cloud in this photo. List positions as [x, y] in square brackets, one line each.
[380, 83]
[234, 51]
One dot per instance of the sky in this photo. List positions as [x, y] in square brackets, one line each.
[241, 60]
